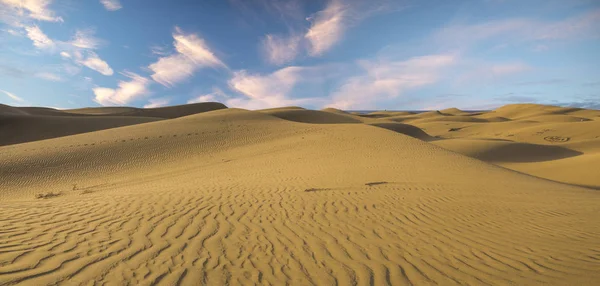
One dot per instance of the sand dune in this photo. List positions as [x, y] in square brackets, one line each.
[293, 196]
[312, 116]
[24, 124]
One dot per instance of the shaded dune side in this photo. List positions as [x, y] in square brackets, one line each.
[522, 111]
[24, 124]
[241, 197]
[312, 116]
[167, 112]
[453, 118]
[506, 151]
[112, 110]
[20, 129]
[9, 110]
[405, 129]
[177, 110]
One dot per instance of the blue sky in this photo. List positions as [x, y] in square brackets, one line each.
[348, 54]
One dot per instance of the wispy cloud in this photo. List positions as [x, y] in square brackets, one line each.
[79, 49]
[519, 31]
[12, 11]
[327, 27]
[39, 39]
[288, 11]
[279, 50]
[126, 92]
[217, 95]
[274, 89]
[263, 91]
[157, 102]
[192, 55]
[12, 96]
[384, 80]
[111, 5]
[49, 76]
[93, 61]
[85, 39]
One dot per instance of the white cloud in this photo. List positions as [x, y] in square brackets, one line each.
[216, 96]
[94, 62]
[12, 96]
[192, 55]
[203, 98]
[71, 69]
[157, 102]
[49, 76]
[273, 90]
[32, 9]
[77, 50]
[126, 92]
[172, 69]
[39, 39]
[111, 5]
[280, 50]
[159, 50]
[84, 39]
[388, 79]
[268, 90]
[13, 32]
[327, 27]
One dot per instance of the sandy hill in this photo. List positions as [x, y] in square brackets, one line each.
[24, 124]
[232, 196]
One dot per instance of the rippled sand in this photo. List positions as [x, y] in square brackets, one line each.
[287, 195]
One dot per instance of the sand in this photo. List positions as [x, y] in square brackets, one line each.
[300, 197]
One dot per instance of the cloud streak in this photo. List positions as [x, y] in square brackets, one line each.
[79, 49]
[327, 27]
[280, 50]
[94, 62]
[384, 80]
[39, 39]
[29, 9]
[157, 102]
[12, 96]
[192, 54]
[127, 91]
[520, 30]
[111, 5]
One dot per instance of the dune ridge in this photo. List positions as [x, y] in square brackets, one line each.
[293, 196]
[24, 124]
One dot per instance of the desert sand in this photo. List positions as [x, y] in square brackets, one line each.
[207, 195]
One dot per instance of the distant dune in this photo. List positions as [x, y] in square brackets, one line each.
[210, 195]
[24, 124]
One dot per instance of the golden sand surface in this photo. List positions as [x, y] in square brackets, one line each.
[207, 195]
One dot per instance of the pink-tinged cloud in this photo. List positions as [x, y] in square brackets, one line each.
[32, 9]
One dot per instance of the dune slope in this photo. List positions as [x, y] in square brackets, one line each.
[24, 124]
[243, 197]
